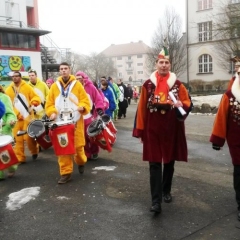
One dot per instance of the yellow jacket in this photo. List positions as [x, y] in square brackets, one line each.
[28, 96]
[80, 100]
[42, 91]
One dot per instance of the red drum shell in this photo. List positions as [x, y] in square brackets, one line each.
[63, 139]
[7, 155]
[101, 135]
[36, 130]
[109, 123]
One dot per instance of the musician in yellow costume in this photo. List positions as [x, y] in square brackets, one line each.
[23, 98]
[68, 94]
[42, 91]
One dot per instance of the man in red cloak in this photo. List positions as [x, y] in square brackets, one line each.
[160, 126]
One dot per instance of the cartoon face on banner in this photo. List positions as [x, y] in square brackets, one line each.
[14, 63]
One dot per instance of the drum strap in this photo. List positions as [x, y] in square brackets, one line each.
[22, 102]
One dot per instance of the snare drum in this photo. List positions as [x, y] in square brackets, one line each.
[109, 123]
[101, 135]
[36, 129]
[62, 136]
[7, 155]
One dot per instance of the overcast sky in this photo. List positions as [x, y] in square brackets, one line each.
[93, 25]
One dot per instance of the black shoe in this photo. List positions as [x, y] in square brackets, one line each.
[81, 169]
[34, 156]
[64, 179]
[156, 208]
[239, 215]
[167, 197]
[124, 115]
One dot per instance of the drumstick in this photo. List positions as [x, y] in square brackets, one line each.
[73, 101]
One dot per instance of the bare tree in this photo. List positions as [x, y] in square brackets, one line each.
[169, 34]
[78, 62]
[99, 65]
[226, 32]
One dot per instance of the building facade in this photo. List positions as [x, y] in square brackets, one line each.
[205, 71]
[130, 61]
[19, 38]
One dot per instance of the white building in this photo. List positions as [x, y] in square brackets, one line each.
[130, 60]
[19, 37]
[203, 58]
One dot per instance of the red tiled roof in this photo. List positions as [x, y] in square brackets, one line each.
[132, 48]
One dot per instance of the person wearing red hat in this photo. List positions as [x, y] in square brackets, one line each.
[160, 126]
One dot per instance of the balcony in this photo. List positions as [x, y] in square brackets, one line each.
[129, 69]
[129, 61]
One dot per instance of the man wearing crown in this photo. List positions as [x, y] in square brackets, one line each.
[161, 129]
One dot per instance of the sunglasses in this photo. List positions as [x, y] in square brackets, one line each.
[32, 71]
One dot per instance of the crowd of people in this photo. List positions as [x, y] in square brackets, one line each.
[163, 105]
[26, 102]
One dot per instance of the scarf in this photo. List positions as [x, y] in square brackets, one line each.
[162, 89]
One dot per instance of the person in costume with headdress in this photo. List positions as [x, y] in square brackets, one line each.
[236, 61]
[227, 128]
[68, 94]
[8, 121]
[24, 99]
[97, 108]
[161, 129]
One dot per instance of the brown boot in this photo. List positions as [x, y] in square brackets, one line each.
[64, 179]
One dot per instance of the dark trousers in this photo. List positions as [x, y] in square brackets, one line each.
[160, 181]
[236, 183]
[129, 101]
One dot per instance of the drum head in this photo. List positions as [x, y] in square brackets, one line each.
[5, 140]
[105, 118]
[35, 128]
[95, 128]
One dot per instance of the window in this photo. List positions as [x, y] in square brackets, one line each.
[235, 1]
[119, 65]
[139, 64]
[205, 31]
[129, 65]
[139, 56]
[119, 58]
[13, 40]
[204, 4]
[119, 74]
[235, 26]
[140, 72]
[130, 73]
[129, 57]
[205, 63]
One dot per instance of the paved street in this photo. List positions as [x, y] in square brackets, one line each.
[113, 205]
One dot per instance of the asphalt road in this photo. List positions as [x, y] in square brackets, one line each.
[113, 205]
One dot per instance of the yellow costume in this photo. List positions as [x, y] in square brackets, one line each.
[76, 97]
[42, 91]
[29, 97]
